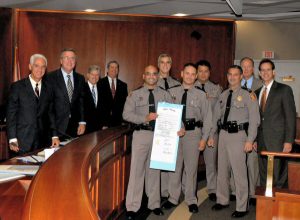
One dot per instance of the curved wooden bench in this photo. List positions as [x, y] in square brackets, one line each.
[86, 179]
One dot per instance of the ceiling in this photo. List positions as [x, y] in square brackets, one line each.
[284, 10]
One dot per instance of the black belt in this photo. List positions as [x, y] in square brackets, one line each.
[233, 127]
[144, 127]
[191, 124]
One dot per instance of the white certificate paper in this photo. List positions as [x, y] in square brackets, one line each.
[165, 140]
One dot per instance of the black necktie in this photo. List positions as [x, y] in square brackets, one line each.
[228, 104]
[151, 106]
[166, 84]
[202, 88]
[37, 91]
[183, 102]
[245, 84]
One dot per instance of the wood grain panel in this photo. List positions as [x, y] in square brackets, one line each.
[127, 42]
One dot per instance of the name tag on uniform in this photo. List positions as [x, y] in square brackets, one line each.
[165, 139]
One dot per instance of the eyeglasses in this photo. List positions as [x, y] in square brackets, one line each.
[69, 58]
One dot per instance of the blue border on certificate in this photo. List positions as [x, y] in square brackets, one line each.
[168, 166]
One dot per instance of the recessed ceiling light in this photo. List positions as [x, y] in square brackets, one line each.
[180, 14]
[89, 10]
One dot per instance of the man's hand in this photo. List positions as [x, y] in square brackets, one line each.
[181, 132]
[248, 147]
[201, 145]
[55, 142]
[14, 146]
[210, 142]
[287, 147]
[80, 129]
[255, 146]
[151, 116]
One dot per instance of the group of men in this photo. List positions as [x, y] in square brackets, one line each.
[44, 108]
[232, 127]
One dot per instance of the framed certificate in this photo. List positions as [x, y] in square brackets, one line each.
[165, 140]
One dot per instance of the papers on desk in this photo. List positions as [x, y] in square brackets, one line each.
[166, 140]
[32, 159]
[19, 169]
[5, 177]
[63, 143]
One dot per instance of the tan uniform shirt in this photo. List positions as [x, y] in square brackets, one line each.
[244, 108]
[197, 106]
[172, 82]
[137, 103]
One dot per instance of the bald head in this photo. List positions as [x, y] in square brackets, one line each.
[150, 76]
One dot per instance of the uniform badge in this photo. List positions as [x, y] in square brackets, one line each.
[173, 97]
[239, 98]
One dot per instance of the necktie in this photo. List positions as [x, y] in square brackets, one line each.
[37, 91]
[202, 88]
[245, 84]
[263, 100]
[228, 104]
[113, 88]
[69, 88]
[94, 95]
[166, 84]
[183, 102]
[151, 106]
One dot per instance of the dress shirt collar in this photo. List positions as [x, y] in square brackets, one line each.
[249, 82]
[33, 83]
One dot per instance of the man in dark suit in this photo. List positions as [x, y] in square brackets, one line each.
[113, 96]
[68, 90]
[30, 121]
[251, 83]
[92, 107]
[278, 122]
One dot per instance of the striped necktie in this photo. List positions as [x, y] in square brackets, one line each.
[69, 88]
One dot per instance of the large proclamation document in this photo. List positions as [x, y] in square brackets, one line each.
[166, 140]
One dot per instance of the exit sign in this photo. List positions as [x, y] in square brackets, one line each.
[268, 54]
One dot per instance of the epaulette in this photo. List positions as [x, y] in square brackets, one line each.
[249, 90]
[175, 78]
[162, 88]
[175, 86]
[197, 87]
[137, 88]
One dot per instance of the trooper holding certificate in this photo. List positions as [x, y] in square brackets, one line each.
[140, 109]
[197, 120]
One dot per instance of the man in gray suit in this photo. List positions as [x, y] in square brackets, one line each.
[251, 83]
[278, 122]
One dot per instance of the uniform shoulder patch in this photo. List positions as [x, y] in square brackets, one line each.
[253, 96]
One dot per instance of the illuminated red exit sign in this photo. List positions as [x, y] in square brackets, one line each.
[268, 54]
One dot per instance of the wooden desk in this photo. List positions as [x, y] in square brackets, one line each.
[86, 179]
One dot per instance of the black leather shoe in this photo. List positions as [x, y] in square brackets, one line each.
[193, 208]
[252, 201]
[232, 197]
[157, 211]
[130, 215]
[219, 206]
[168, 205]
[163, 198]
[237, 214]
[212, 197]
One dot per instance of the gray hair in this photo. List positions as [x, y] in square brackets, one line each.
[37, 56]
[94, 68]
[162, 56]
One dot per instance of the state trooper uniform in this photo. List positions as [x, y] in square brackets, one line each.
[197, 124]
[166, 84]
[135, 110]
[213, 92]
[241, 126]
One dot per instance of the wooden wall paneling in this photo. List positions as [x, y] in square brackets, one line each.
[87, 37]
[127, 43]
[39, 33]
[6, 45]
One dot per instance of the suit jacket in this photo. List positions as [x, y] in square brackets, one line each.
[30, 119]
[93, 116]
[278, 121]
[67, 115]
[112, 108]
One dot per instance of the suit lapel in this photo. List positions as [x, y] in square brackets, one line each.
[62, 84]
[271, 96]
[76, 83]
[29, 90]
